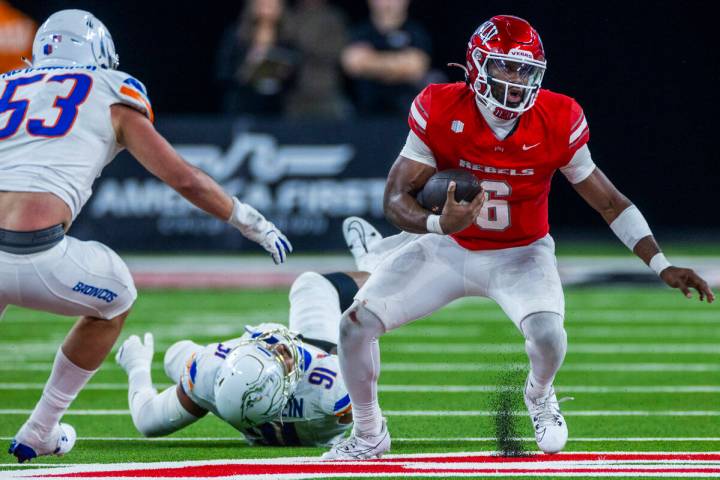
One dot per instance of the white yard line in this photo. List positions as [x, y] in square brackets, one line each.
[442, 413]
[444, 388]
[573, 347]
[565, 389]
[12, 352]
[457, 367]
[568, 367]
[569, 413]
[394, 439]
[574, 332]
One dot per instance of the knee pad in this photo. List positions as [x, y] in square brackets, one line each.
[175, 358]
[359, 322]
[544, 328]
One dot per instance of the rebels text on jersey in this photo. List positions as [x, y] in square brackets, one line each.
[515, 172]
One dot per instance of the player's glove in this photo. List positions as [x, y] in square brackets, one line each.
[255, 227]
[135, 354]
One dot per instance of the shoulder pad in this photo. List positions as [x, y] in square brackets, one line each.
[129, 91]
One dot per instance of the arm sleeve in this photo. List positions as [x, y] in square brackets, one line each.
[420, 115]
[415, 149]
[156, 415]
[129, 91]
[580, 167]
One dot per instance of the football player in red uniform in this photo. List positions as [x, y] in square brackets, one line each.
[513, 135]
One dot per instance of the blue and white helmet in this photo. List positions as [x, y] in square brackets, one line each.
[253, 384]
[74, 37]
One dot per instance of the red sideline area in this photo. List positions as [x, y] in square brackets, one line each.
[189, 280]
[593, 464]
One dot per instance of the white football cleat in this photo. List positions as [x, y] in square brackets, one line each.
[551, 432]
[361, 238]
[356, 447]
[60, 441]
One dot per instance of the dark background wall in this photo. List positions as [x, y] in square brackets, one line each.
[646, 74]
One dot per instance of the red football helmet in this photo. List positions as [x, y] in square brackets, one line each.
[505, 65]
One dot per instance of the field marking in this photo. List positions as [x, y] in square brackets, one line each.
[568, 413]
[11, 351]
[442, 388]
[14, 349]
[398, 439]
[573, 318]
[570, 367]
[561, 388]
[462, 464]
[456, 367]
[573, 347]
[438, 413]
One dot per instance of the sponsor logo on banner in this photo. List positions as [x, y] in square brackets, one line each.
[301, 188]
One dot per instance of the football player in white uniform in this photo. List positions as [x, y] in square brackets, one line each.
[61, 121]
[276, 386]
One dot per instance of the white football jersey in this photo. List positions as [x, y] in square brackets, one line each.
[56, 133]
[310, 416]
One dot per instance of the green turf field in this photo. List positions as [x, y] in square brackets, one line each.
[643, 366]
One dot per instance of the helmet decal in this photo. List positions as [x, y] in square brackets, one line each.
[487, 31]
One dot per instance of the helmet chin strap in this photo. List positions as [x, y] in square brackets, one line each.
[501, 116]
[500, 126]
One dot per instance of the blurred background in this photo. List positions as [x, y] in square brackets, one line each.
[299, 107]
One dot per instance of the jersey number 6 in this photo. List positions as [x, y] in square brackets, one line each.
[68, 106]
[495, 214]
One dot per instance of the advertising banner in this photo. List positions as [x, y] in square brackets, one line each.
[305, 177]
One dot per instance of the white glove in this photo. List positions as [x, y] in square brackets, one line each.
[134, 355]
[255, 227]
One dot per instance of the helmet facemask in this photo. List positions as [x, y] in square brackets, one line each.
[293, 343]
[508, 83]
[256, 382]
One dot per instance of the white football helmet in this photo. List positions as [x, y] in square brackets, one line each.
[253, 385]
[74, 37]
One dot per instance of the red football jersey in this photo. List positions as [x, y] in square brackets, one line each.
[516, 171]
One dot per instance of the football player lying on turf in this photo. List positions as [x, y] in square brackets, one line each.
[276, 386]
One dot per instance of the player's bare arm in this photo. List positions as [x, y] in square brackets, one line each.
[136, 133]
[600, 193]
[406, 178]
[191, 407]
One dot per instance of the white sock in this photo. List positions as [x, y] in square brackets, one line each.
[65, 382]
[536, 389]
[359, 355]
[545, 344]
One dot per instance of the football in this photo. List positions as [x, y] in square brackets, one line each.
[434, 193]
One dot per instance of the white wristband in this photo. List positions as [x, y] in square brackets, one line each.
[433, 224]
[630, 227]
[658, 263]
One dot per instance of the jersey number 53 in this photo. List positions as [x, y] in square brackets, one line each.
[37, 127]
